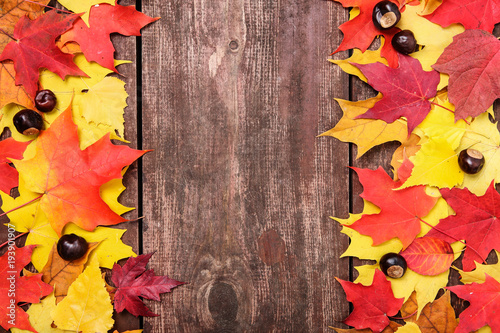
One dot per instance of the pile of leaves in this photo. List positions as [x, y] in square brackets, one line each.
[436, 102]
[67, 179]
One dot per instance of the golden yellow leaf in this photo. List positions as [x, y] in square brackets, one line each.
[407, 149]
[429, 6]
[434, 37]
[40, 317]
[83, 6]
[482, 135]
[409, 328]
[478, 275]
[358, 57]
[365, 133]
[104, 104]
[87, 308]
[435, 164]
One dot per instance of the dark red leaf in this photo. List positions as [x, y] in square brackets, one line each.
[134, 281]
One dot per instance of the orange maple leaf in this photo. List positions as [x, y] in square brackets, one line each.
[69, 179]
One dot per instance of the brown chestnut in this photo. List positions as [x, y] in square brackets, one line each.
[393, 265]
[404, 42]
[45, 100]
[471, 161]
[71, 247]
[385, 15]
[28, 122]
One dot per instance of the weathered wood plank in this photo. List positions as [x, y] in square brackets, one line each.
[238, 191]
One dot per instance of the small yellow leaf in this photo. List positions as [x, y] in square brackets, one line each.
[83, 6]
[435, 164]
[87, 308]
[365, 133]
[358, 57]
[429, 6]
[40, 317]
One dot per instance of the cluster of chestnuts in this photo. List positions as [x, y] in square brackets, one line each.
[30, 122]
[72, 247]
[385, 16]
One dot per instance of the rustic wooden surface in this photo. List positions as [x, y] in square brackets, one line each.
[237, 194]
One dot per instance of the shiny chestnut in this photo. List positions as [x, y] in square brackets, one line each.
[471, 161]
[393, 265]
[385, 15]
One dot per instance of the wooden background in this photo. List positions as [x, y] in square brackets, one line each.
[237, 194]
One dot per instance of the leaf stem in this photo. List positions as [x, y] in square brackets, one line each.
[24, 204]
[47, 6]
[444, 107]
[457, 240]
[18, 236]
[7, 34]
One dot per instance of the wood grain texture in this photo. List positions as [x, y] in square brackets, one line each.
[238, 192]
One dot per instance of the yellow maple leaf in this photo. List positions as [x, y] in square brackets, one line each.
[83, 6]
[435, 164]
[40, 316]
[429, 6]
[358, 57]
[87, 308]
[365, 133]
[31, 219]
[478, 275]
[484, 136]
[104, 103]
[407, 149]
[434, 37]
[409, 328]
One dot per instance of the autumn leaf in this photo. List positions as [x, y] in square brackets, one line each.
[35, 48]
[13, 10]
[10, 148]
[484, 301]
[405, 91]
[87, 308]
[358, 57]
[104, 20]
[83, 6]
[360, 31]
[476, 222]
[10, 92]
[408, 148]
[435, 164]
[133, 281]
[437, 316]
[401, 210]
[61, 273]
[372, 304]
[472, 14]
[365, 133]
[26, 288]
[479, 273]
[429, 6]
[428, 256]
[472, 62]
[69, 179]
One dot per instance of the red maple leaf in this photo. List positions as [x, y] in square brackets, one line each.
[10, 148]
[400, 210]
[428, 256]
[15, 288]
[133, 281]
[473, 62]
[484, 301]
[35, 48]
[104, 20]
[475, 221]
[69, 179]
[360, 31]
[472, 14]
[372, 304]
[405, 91]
